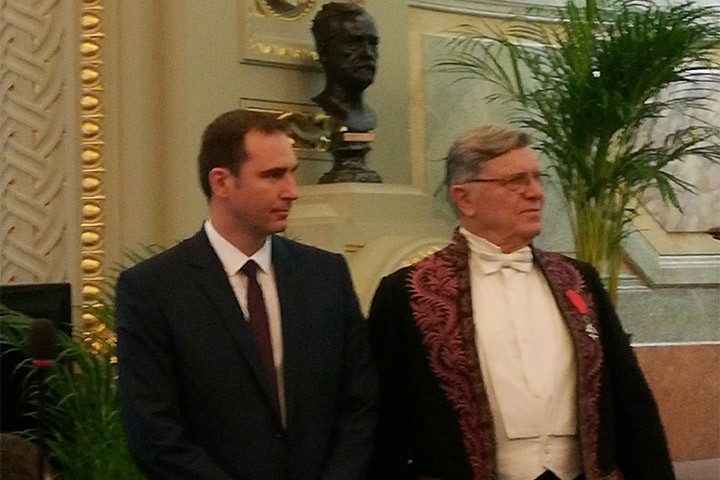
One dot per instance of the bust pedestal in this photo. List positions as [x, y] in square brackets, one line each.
[348, 150]
[378, 227]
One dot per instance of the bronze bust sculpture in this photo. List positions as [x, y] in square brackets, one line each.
[347, 44]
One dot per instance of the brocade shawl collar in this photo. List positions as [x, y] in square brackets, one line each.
[440, 300]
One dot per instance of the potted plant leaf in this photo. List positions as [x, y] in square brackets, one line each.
[591, 87]
[82, 426]
[83, 431]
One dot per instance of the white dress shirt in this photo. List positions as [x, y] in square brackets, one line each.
[528, 365]
[233, 260]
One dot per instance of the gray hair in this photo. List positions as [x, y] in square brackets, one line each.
[478, 145]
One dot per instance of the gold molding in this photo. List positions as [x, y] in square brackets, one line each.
[269, 37]
[308, 126]
[92, 196]
[277, 32]
[286, 10]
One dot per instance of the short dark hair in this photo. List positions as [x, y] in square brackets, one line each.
[328, 23]
[472, 149]
[20, 458]
[223, 142]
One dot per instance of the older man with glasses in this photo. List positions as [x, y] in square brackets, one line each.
[498, 360]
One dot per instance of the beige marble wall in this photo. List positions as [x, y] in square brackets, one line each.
[670, 288]
[685, 379]
[162, 70]
[194, 64]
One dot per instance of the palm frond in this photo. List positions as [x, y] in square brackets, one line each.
[82, 411]
[593, 88]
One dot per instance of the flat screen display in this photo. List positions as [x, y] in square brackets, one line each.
[52, 301]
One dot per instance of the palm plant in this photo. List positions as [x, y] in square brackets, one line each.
[592, 88]
[83, 429]
[83, 432]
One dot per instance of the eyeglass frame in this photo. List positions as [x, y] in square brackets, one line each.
[505, 181]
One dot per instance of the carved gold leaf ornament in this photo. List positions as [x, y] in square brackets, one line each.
[278, 32]
[89, 75]
[90, 291]
[89, 102]
[288, 9]
[91, 183]
[296, 52]
[90, 266]
[90, 129]
[92, 226]
[307, 130]
[89, 49]
[90, 239]
[89, 21]
[91, 211]
[89, 156]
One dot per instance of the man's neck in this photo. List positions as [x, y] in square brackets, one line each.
[505, 245]
[238, 238]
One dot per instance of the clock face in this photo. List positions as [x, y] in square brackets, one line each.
[289, 8]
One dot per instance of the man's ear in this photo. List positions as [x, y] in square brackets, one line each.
[220, 180]
[464, 203]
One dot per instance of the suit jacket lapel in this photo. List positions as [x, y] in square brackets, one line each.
[441, 304]
[574, 301]
[292, 291]
[212, 279]
[577, 307]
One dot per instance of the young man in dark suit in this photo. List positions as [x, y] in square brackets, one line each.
[242, 354]
[500, 361]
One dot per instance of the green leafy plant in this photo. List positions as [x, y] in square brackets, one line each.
[84, 434]
[592, 87]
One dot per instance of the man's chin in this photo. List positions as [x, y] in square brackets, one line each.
[279, 227]
[531, 233]
[362, 81]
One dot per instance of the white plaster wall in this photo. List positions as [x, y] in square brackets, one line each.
[179, 66]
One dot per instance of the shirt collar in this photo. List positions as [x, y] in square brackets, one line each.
[479, 244]
[233, 259]
[491, 257]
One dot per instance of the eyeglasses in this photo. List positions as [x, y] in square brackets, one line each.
[515, 182]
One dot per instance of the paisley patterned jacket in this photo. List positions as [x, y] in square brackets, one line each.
[435, 420]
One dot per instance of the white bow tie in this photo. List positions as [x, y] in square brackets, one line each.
[520, 260]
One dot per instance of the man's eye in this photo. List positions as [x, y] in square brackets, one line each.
[516, 180]
[276, 174]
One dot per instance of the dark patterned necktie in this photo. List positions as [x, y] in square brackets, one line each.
[259, 325]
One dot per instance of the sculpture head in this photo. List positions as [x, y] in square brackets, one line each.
[346, 40]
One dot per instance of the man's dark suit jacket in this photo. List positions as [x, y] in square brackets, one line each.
[434, 419]
[195, 402]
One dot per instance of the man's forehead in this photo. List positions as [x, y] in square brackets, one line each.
[360, 25]
[522, 156]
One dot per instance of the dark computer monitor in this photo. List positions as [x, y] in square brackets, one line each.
[52, 301]
[41, 300]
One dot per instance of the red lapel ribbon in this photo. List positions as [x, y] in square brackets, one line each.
[577, 301]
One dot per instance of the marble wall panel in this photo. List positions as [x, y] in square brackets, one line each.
[684, 380]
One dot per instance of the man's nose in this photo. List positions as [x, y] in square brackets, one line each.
[369, 47]
[290, 192]
[534, 189]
